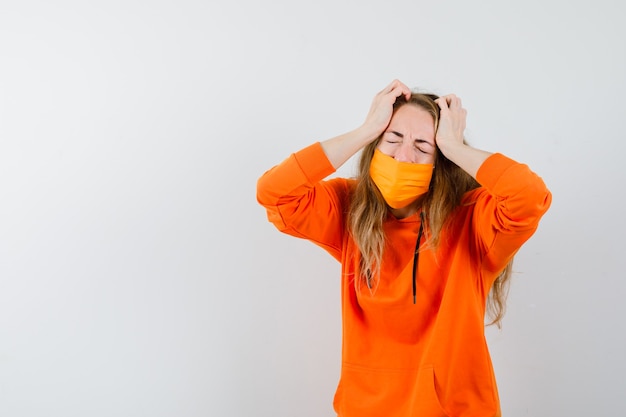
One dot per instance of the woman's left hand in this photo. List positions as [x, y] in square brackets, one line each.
[451, 122]
[450, 139]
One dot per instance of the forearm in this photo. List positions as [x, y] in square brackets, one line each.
[341, 148]
[467, 158]
[450, 136]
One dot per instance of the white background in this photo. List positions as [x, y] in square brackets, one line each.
[138, 274]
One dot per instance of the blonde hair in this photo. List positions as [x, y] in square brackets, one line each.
[368, 210]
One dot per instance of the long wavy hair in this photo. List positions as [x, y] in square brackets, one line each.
[368, 211]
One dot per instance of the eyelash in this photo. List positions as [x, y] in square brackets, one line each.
[398, 141]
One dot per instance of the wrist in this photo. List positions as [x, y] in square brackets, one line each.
[449, 149]
[466, 157]
[368, 133]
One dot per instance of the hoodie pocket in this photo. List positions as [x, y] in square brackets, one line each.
[426, 400]
[367, 392]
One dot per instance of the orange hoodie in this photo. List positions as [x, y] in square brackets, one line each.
[401, 359]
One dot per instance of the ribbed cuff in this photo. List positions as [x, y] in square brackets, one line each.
[314, 162]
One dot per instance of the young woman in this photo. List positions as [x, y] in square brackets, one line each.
[425, 234]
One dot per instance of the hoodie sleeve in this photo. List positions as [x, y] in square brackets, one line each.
[300, 204]
[507, 210]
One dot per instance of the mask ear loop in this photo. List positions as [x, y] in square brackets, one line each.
[416, 255]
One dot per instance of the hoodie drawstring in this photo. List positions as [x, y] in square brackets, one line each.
[416, 255]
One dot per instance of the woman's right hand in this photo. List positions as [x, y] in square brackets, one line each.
[341, 148]
[381, 109]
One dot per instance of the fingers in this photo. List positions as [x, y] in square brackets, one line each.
[396, 88]
[449, 101]
[381, 109]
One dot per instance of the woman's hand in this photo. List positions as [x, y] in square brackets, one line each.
[340, 148]
[449, 137]
[381, 109]
[451, 122]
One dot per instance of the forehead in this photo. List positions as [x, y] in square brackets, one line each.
[413, 119]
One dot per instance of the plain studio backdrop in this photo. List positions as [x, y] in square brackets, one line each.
[138, 274]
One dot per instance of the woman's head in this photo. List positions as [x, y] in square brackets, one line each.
[410, 137]
[402, 165]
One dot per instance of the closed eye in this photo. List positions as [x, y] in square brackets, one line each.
[394, 137]
[421, 145]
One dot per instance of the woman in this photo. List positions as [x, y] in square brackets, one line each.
[424, 234]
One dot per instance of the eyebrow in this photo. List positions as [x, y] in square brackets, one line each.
[400, 135]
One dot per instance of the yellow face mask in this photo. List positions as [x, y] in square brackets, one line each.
[400, 183]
